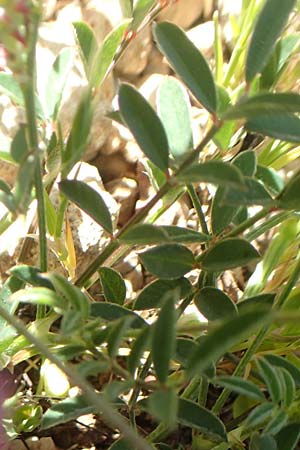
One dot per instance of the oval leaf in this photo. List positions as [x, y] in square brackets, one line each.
[221, 339]
[229, 253]
[264, 105]
[163, 404]
[215, 172]
[271, 21]
[88, 200]
[195, 416]
[188, 63]
[144, 233]
[288, 437]
[271, 379]
[112, 311]
[240, 386]
[173, 107]
[181, 235]
[113, 285]
[214, 304]
[168, 261]
[285, 127]
[87, 43]
[145, 126]
[254, 193]
[288, 386]
[152, 295]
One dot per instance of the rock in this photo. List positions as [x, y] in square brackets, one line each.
[149, 87]
[126, 194]
[49, 7]
[185, 13]
[110, 9]
[202, 37]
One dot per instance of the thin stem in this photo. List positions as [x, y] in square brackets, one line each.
[198, 208]
[109, 414]
[249, 222]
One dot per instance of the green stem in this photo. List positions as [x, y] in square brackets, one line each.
[249, 222]
[198, 208]
[109, 414]
[289, 285]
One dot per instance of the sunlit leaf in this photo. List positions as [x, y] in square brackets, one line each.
[113, 285]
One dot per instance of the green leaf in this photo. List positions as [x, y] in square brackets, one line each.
[126, 7]
[288, 437]
[87, 43]
[285, 127]
[246, 162]
[106, 53]
[163, 339]
[277, 422]
[227, 254]
[19, 148]
[215, 172]
[231, 332]
[168, 261]
[31, 275]
[279, 361]
[117, 333]
[37, 296]
[152, 295]
[163, 405]
[289, 197]
[253, 193]
[262, 442]
[142, 234]
[145, 125]
[10, 87]
[173, 107]
[51, 216]
[112, 311]
[120, 444]
[137, 350]
[271, 379]
[288, 386]
[56, 82]
[268, 105]
[113, 285]
[65, 411]
[270, 178]
[141, 9]
[265, 300]
[184, 235]
[188, 63]
[78, 137]
[240, 386]
[214, 304]
[270, 23]
[24, 183]
[89, 200]
[196, 417]
[259, 415]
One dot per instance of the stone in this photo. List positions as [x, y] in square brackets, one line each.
[203, 37]
[185, 13]
[49, 7]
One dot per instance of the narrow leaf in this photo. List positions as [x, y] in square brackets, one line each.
[31, 275]
[253, 193]
[10, 87]
[88, 200]
[152, 295]
[163, 340]
[271, 21]
[168, 261]
[113, 285]
[259, 415]
[112, 311]
[37, 296]
[145, 125]
[288, 386]
[142, 234]
[56, 81]
[229, 253]
[240, 386]
[271, 379]
[215, 172]
[214, 304]
[279, 361]
[66, 410]
[277, 423]
[181, 235]
[285, 127]
[87, 43]
[106, 53]
[137, 350]
[188, 63]
[173, 107]
[264, 105]
[141, 9]
[231, 332]
[163, 404]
